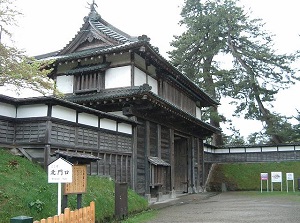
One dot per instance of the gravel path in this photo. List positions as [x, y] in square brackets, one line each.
[230, 207]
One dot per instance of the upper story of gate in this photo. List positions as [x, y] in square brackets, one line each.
[102, 61]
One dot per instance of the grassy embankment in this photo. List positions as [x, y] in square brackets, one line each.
[246, 176]
[24, 190]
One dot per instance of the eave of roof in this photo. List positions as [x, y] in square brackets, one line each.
[76, 157]
[157, 161]
[143, 92]
[87, 69]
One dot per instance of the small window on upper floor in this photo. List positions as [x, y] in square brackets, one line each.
[92, 82]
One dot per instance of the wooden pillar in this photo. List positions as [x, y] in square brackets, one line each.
[201, 153]
[199, 163]
[172, 159]
[147, 153]
[132, 68]
[190, 157]
[47, 142]
[134, 156]
[46, 156]
[192, 167]
[158, 140]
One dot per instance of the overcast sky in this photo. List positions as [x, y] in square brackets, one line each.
[48, 25]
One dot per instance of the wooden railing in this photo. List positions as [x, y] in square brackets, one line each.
[84, 215]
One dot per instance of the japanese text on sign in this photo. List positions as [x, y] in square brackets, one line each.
[60, 171]
[78, 185]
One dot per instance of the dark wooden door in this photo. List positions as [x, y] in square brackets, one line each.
[181, 164]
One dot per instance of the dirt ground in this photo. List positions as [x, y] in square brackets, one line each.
[229, 207]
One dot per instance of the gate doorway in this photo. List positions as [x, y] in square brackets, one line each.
[181, 164]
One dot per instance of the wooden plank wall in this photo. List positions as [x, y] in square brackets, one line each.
[116, 166]
[114, 148]
[7, 132]
[155, 141]
[30, 131]
[63, 134]
[140, 162]
[177, 97]
[165, 155]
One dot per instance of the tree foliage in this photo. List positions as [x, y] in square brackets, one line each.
[15, 67]
[220, 27]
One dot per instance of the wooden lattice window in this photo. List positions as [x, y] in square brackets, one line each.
[88, 82]
[156, 175]
[158, 168]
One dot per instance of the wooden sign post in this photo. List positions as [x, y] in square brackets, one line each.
[79, 183]
[289, 177]
[264, 177]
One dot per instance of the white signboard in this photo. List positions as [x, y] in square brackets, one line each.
[264, 176]
[276, 177]
[290, 177]
[60, 171]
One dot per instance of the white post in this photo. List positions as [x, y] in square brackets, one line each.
[272, 186]
[267, 185]
[260, 185]
[58, 198]
[287, 186]
[293, 185]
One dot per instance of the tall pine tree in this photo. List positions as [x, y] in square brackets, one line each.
[220, 27]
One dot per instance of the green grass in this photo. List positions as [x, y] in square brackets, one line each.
[142, 217]
[24, 190]
[246, 176]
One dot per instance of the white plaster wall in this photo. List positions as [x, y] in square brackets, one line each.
[64, 113]
[285, 148]
[140, 77]
[88, 119]
[269, 149]
[37, 110]
[221, 151]
[118, 77]
[108, 124]
[253, 150]
[153, 83]
[65, 83]
[125, 128]
[7, 110]
[198, 113]
[237, 150]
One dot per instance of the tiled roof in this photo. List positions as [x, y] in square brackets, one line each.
[69, 154]
[109, 32]
[109, 94]
[87, 69]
